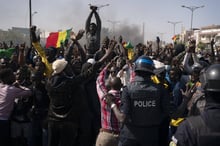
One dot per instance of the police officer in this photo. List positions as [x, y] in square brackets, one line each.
[203, 130]
[144, 105]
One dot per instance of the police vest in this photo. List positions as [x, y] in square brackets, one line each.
[204, 135]
[145, 104]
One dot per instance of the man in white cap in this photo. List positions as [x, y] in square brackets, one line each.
[64, 111]
[64, 106]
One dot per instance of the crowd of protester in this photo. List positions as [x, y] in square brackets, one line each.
[57, 95]
[26, 108]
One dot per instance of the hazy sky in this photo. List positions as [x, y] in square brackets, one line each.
[154, 14]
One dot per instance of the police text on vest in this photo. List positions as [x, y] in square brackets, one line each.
[149, 103]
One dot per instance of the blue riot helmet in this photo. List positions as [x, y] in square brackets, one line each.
[145, 64]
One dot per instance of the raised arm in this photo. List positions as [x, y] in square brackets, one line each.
[88, 21]
[185, 63]
[21, 56]
[98, 22]
[75, 38]
[190, 52]
[81, 51]
[40, 51]
[108, 51]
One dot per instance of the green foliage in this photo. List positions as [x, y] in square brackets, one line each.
[201, 46]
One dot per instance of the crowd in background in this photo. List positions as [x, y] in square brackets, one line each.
[30, 77]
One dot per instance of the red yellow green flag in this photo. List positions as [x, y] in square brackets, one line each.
[175, 38]
[56, 38]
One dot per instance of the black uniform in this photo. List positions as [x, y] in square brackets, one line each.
[203, 130]
[145, 105]
[189, 134]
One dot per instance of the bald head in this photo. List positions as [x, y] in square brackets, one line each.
[115, 83]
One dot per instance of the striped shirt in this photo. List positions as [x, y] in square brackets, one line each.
[108, 118]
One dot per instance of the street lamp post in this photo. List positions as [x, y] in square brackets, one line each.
[30, 20]
[35, 12]
[113, 25]
[30, 14]
[174, 26]
[192, 9]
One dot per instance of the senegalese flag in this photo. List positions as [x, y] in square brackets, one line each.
[56, 38]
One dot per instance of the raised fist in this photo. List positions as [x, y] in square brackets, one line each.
[80, 34]
[33, 34]
[77, 36]
[93, 8]
[192, 45]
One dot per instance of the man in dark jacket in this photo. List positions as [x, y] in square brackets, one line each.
[65, 101]
[64, 107]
